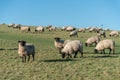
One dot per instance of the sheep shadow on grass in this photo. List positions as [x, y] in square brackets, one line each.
[58, 60]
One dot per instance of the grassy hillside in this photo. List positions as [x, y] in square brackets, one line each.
[48, 64]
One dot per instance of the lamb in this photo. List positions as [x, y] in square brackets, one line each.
[25, 50]
[39, 29]
[105, 44]
[114, 33]
[72, 47]
[91, 40]
[24, 29]
[58, 43]
[73, 33]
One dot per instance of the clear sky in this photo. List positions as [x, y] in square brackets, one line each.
[77, 13]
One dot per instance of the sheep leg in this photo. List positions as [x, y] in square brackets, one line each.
[28, 57]
[75, 54]
[33, 56]
[69, 55]
[25, 58]
[110, 51]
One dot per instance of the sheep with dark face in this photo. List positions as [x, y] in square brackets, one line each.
[101, 33]
[58, 43]
[25, 49]
[105, 44]
[72, 47]
[39, 29]
[73, 33]
[91, 40]
[25, 29]
[114, 33]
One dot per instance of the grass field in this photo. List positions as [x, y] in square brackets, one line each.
[48, 64]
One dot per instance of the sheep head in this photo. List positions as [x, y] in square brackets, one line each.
[22, 43]
[57, 39]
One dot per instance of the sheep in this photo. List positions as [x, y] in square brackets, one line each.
[17, 26]
[39, 29]
[91, 40]
[69, 28]
[105, 44]
[73, 33]
[58, 43]
[81, 30]
[25, 49]
[24, 29]
[114, 33]
[101, 33]
[72, 47]
[11, 25]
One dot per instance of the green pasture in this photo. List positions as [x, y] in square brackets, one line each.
[48, 64]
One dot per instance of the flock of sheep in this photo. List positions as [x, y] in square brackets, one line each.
[68, 47]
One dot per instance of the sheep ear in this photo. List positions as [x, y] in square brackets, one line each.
[19, 41]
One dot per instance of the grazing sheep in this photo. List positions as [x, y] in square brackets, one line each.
[52, 29]
[81, 30]
[91, 40]
[114, 33]
[39, 29]
[24, 29]
[72, 47]
[105, 44]
[69, 28]
[73, 33]
[101, 33]
[25, 50]
[58, 43]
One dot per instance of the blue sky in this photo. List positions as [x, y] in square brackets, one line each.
[77, 13]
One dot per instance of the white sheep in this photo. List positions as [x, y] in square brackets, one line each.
[11, 25]
[39, 29]
[69, 28]
[105, 44]
[73, 33]
[72, 47]
[82, 30]
[25, 49]
[58, 43]
[114, 33]
[91, 40]
[26, 29]
[17, 26]
[101, 33]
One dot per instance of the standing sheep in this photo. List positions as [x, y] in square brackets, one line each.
[105, 44]
[91, 40]
[39, 29]
[73, 33]
[101, 33]
[25, 50]
[72, 47]
[26, 29]
[114, 33]
[58, 43]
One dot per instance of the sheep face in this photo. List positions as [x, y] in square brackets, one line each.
[95, 50]
[63, 55]
[57, 39]
[86, 44]
[22, 43]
